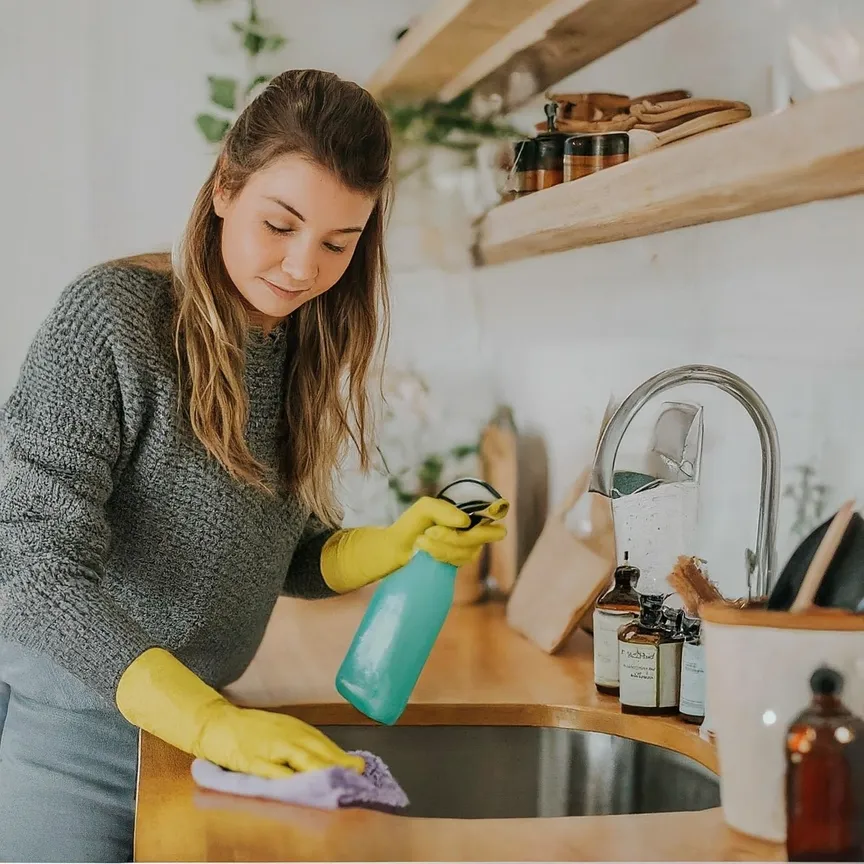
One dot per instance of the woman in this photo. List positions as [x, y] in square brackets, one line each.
[167, 471]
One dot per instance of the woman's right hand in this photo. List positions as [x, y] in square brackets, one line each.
[161, 695]
[268, 744]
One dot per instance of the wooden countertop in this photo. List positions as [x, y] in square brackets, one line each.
[480, 672]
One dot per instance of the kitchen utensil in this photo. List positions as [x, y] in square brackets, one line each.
[611, 102]
[663, 96]
[615, 123]
[644, 140]
[690, 583]
[842, 586]
[823, 557]
[656, 112]
[516, 465]
[498, 454]
[564, 574]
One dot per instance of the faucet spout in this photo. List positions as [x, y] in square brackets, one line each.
[761, 565]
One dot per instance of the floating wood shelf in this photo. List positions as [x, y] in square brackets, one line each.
[460, 44]
[810, 151]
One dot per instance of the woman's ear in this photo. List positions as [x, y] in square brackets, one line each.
[221, 199]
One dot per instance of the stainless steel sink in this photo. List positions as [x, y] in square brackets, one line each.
[488, 772]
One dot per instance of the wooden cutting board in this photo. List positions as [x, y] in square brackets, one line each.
[564, 574]
[516, 465]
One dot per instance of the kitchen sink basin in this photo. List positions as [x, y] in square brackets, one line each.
[486, 772]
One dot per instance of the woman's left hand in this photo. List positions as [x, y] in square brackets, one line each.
[357, 556]
[459, 547]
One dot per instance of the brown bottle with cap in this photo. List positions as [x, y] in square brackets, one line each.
[649, 659]
[825, 776]
[617, 606]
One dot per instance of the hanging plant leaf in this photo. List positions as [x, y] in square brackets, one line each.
[253, 36]
[430, 471]
[261, 79]
[402, 495]
[274, 42]
[223, 92]
[253, 43]
[213, 128]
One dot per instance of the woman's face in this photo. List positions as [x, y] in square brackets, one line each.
[289, 235]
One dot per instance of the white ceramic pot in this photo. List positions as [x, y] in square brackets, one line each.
[758, 667]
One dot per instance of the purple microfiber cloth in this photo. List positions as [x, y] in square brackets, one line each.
[327, 789]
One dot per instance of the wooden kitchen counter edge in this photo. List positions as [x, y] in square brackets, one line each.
[480, 673]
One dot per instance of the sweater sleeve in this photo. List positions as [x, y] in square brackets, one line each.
[60, 439]
[304, 577]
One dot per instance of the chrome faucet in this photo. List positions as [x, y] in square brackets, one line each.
[761, 564]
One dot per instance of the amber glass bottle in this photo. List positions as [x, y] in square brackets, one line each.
[617, 606]
[824, 774]
[649, 661]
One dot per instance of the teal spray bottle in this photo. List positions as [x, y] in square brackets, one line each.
[405, 616]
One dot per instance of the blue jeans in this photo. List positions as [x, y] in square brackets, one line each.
[68, 763]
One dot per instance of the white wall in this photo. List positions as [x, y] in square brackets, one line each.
[101, 158]
[99, 149]
[775, 298]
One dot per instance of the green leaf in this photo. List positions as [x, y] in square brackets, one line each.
[430, 471]
[274, 42]
[261, 79]
[213, 128]
[253, 43]
[463, 450]
[402, 496]
[223, 92]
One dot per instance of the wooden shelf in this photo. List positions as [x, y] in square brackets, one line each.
[460, 44]
[811, 151]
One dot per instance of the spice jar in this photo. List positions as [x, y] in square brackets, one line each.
[524, 167]
[691, 703]
[615, 608]
[649, 660]
[589, 153]
[550, 159]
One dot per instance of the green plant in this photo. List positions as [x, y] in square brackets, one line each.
[444, 124]
[431, 123]
[230, 95]
[428, 474]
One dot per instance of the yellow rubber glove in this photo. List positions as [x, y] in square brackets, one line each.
[355, 557]
[161, 695]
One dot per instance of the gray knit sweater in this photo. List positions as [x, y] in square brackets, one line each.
[117, 532]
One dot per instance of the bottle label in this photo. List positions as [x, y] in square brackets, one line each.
[650, 674]
[606, 626]
[693, 681]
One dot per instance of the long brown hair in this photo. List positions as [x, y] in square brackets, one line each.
[334, 336]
